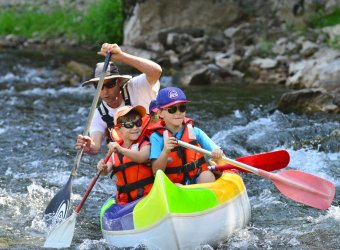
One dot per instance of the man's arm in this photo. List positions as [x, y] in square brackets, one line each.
[151, 69]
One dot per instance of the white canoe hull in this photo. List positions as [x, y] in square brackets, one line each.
[188, 231]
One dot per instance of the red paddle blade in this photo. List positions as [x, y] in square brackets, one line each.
[302, 187]
[269, 161]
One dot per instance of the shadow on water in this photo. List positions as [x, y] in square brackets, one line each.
[40, 119]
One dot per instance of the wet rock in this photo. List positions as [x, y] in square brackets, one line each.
[308, 49]
[284, 46]
[195, 74]
[264, 63]
[333, 32]
[336, 94]
[322, 70]
[80, 69]
[308, 101]
[12, 41]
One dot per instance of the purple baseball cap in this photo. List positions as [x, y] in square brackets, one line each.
[153, 106]
[169, 96]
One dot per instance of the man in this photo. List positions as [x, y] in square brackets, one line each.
[119, 90]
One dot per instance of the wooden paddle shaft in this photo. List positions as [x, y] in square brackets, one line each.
[97, 94]
[230, 161]
[92, 110]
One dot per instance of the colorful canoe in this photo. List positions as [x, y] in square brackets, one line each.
[178, 217]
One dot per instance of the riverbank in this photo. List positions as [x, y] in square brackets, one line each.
[253, 47]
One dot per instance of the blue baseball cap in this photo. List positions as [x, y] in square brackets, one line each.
[169, 96]
[153, 106]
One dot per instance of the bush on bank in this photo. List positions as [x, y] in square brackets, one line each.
[101, 21]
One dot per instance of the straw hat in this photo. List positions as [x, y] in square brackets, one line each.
[111, 72]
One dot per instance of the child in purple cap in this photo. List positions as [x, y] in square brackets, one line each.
[181, 165]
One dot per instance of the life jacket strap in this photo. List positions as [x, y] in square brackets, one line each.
[186, 167]
[105, 115]
[138, 184]
[126, 94]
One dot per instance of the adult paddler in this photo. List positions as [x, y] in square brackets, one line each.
[119, 90]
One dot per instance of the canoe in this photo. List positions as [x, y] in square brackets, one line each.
[178, 217]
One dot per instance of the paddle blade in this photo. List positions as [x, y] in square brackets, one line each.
[57, 209]
[62, 235]
[269, 161]
[303, 187]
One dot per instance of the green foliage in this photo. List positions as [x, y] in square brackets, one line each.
[335, 42]
[265, 47]
[102, 22]
[322, 20]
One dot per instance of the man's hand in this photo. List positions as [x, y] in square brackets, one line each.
[107, 47]
[84, 142]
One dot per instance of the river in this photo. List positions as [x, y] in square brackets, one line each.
[40, 119]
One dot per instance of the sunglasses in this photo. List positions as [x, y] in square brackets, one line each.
[108, 85]
[131, 124]
[173, 109]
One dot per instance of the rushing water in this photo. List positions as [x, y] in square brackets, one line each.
[40, 119]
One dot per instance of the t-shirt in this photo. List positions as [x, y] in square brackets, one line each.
[141, 93]
[157, 142]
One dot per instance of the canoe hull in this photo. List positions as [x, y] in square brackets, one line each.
[184, 230]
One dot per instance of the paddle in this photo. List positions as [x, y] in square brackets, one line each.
[268, 161]
[302, 187]
[58, 207]
[62, 235]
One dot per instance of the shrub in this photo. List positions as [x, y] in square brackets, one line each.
[103, 21]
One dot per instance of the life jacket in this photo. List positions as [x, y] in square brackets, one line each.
[134, 180]
[104, 112]
[184, 165]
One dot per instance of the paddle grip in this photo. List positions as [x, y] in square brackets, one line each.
[89, 188]
[225, 167]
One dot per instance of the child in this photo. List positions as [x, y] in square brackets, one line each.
[128, 162]
[181, 165]
[153, 112]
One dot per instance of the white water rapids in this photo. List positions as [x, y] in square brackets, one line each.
[41, 118]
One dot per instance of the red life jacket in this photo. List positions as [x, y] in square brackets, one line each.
[134, 180]
[183, 164]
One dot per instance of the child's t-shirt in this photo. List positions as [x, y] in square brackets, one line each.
[157, 142]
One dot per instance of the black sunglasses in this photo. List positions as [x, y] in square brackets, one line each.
[108, 85]
[131, 124]
[173, 109]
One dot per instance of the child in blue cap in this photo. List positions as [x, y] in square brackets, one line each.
[181, 165]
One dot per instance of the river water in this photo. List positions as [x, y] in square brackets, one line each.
[40, 119]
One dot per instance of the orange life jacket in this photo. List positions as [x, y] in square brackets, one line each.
[134, 180]
[183, 164]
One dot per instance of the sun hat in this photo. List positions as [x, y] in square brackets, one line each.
[126, 109]
[169, 96]
[153, 106]
[111, 72]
